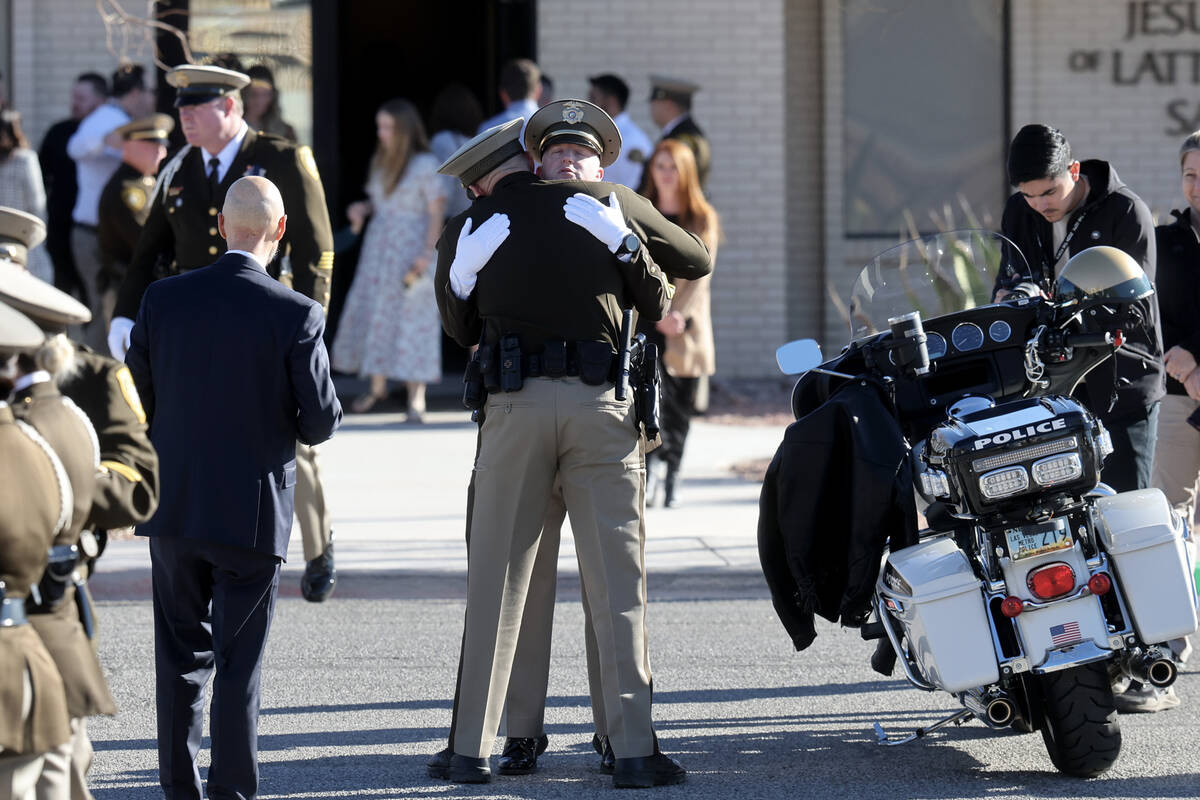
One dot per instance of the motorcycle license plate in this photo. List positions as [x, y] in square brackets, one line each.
[1034, 540]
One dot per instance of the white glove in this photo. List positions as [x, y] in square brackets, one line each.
[605, 222]
[118, 337]
[473, 252]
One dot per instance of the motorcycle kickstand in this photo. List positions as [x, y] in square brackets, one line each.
[891, 739]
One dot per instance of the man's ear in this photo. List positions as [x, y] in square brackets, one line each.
[600, 173]
[221, 225]
[1074, 170]
[281, 229]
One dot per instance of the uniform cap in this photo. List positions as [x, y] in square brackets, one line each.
[676, 89]
[156, 127]
[575, 121]
[199, 84]
[482, 154]
[51, 309]
[19, 233]
[18, 332]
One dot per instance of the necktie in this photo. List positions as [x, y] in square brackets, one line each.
[213, 183]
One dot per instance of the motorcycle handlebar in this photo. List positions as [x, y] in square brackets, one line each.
[1089, 339]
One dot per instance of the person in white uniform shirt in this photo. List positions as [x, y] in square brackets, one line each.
[612, 94]
[520, 90]
[96, 151]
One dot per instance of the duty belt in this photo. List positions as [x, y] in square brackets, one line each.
[12, 612]
[538, 365]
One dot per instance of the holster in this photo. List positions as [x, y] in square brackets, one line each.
[474, 393]
[647, 398]
[595, 362]
[60, 571]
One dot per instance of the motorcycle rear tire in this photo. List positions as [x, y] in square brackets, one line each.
[1081, 731]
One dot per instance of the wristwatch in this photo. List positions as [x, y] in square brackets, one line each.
[628, 246]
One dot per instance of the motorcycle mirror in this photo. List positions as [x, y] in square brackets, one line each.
[798, 356]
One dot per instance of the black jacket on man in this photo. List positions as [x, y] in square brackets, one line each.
[1112, 215]
[837, 491]
[1178, 288]
[181, 234]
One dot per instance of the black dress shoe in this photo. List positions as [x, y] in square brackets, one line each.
[521, 753]
[646, 771]
[669, 485]
[603, 747]
[439, 764]
[464, 769]
[319, 577]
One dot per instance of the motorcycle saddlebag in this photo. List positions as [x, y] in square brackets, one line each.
[930, 587]
[1145, 540]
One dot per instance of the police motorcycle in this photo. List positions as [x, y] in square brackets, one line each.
[1033, 588]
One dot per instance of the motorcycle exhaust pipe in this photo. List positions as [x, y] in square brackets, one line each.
[1154, 667]
[1000, 711]
[995, 708]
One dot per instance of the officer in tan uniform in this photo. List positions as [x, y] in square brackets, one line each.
[181, 234]
[36, 497]
[125, 200]
[62, 616]
[560, 266]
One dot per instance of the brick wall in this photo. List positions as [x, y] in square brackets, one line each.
[54, 41]
[1074, 67]
[736, 52]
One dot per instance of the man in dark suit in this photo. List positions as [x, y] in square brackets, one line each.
[228, 469]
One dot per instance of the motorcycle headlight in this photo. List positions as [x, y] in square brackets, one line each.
[1003, 482]
[934, 483]
[1057, 469]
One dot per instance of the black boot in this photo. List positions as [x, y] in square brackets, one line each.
[669, 484]
[520, 754]
[319, 576]
[603, 748]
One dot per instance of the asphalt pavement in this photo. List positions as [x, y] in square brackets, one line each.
[356, 691]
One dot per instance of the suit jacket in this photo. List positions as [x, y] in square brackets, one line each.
[181, 234]
[232, 372]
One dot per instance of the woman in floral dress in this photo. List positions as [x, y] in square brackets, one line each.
[390, 327]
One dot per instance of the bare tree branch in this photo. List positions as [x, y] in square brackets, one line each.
[119, 22]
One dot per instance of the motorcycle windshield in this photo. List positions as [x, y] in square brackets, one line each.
[938, 274]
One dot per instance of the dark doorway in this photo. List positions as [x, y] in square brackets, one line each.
[368, 51]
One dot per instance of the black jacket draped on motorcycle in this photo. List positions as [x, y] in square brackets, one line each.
[838, 487]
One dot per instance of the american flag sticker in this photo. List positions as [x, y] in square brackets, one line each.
[1067, 633]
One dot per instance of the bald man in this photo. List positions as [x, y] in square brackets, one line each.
[232, 372]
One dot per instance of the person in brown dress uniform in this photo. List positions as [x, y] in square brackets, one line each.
[125, 201]
[61, 611]
[35, 494]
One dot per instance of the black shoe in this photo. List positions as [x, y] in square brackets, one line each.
[603, 747]
[464, 769]
[319, 577]
[646, 771]
[439, 764]
[521, 753]
[669, 485]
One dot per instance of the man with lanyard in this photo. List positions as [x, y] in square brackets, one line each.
[1062, 207]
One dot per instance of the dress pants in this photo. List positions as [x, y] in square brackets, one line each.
[678, 407]
[584, 437]
[65, 770]
[1131, 463]
[213, 605]
[1177, 455]
[23, 776]
[312, 515]
[85, 248]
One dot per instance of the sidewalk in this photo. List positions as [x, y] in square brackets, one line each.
[398, 494]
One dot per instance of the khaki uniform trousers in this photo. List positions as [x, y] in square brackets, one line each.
[525, 705]
[584, 437]
[312, 515]
[1177, 455]
[22, 775]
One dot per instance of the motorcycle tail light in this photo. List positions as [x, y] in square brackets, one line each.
[1099, 583]
[1058, 469]
[1051, 581]
[1011, 606]
[1003, 482]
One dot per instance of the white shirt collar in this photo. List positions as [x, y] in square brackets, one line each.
[228, 153]
[25, 381]
[250, 256]
[670, 126]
